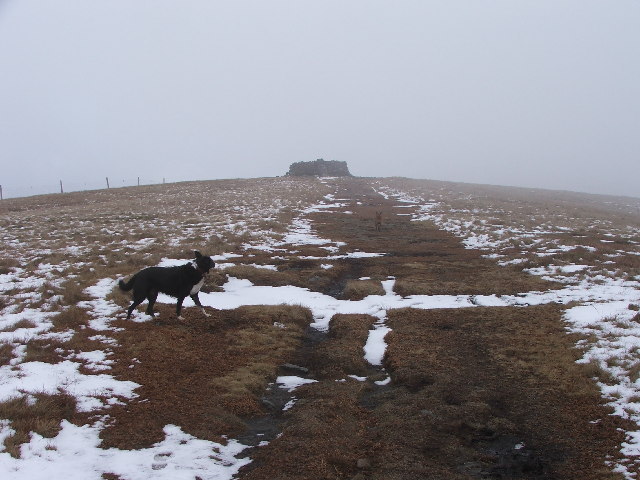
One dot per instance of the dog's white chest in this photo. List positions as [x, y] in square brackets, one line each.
[196, 288]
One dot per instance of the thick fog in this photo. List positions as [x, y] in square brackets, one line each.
[538, 94]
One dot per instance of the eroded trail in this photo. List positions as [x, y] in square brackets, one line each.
[474, 393]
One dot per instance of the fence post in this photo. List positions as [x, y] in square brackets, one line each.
[61, 190]
[107, 183]
[1, 198]
[138, 181]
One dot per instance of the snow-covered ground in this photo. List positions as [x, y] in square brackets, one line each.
[602, 313]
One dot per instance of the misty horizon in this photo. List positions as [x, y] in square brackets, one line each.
[115, 183]
[535, 95]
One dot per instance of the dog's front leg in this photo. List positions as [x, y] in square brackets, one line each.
[179, 307]
[196, 300]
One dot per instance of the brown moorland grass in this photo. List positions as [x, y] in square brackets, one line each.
[7, 265]
[42, 415]
[458, 391]
[202, 374]
[24, 323]
[424, 260]
[359, 289]
[341, 354]
[46, 351]
[88, 236]
[514, 365]
[526, 222]
[6, 353]
[324, 436]
[475, 393]
[261, 276]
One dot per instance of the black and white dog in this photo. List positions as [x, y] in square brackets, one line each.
[180, 282]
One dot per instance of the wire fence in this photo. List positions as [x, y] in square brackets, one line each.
[62, 186]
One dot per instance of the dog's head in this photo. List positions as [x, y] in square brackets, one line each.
[203, 263]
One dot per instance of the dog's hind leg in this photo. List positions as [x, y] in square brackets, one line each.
[152, 296]
[131, 309]
[137, 300]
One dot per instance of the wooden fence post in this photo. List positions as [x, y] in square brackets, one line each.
[61, 190]
[107, 183]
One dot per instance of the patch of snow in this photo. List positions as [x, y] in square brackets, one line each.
[291, 382]
[75, 454]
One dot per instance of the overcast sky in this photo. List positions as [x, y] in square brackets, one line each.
[542, 93]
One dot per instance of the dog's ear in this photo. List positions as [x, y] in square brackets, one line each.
[197, 254]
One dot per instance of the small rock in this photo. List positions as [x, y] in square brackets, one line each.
[428, 413]
[364, 463]
[472, 468]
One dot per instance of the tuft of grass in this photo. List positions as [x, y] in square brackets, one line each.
[259, 276]
[24, 323]
[239, 391]
[594, 370]
[42, 416]
[216, 245]
[47, 291]
[266, 336]
[73, 291]
[70, 318]
[341, 354]
[634, 372]
[296, 263]
[7, 265]
[6, 353]
[359, 289]
[42, 351]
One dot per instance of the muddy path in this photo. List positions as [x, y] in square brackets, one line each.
[490, 393]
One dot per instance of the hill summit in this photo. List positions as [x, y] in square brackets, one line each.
[320, 168]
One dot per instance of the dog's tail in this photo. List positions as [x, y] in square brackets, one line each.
[125, 287]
